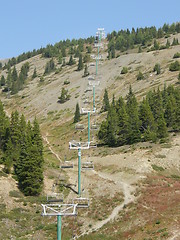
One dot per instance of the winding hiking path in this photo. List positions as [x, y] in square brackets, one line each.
[128, 197]
[50, 147]
[126, 188]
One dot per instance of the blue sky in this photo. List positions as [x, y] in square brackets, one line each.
[28, 25]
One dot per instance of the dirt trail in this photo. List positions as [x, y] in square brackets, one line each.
[126, 188]
[50, 147]
[128, 197]
[176, 235]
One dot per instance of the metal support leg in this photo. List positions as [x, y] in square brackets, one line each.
[93, 98]
[79, 171]
[59, 227]
[88, 126]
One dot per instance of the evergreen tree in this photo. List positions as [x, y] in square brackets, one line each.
[30, 165]
[80, 63]
[86, 73]
[77, 114]
[103, 134]
[105, 106]
[71, 61]
[15, 135]
[161, 127]
[148, 127]
[170, 111]
[4, 124]
[2, 80]
[123, 123]
[167, 44]
[34, 74]
[112, 127]
[140, 76]
[64, 96]
[157, 68]
[14, 74]
[134, 123]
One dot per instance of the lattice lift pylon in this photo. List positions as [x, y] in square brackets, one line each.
[59, 210]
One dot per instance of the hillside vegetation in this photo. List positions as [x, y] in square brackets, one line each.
[134, 187]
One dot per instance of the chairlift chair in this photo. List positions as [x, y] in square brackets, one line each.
[98, 44]
[67, 164]
[55, 197]
[94, 126]
[93, 145]
[87, 165]
[91, 78]
[81, 202]
[79, 126]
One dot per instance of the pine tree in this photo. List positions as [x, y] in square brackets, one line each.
[123, 123]
[30, 166]
[105, 106]
[170, 111]
[2, 80]
[161, 127]
[77, 114]
[179, 78]
[14, 74]
[157, 68]
[112, 127]
[140, 76]
[148, 127]
[80, 63]
[34, 74]
[71, 61]
[103, 134]
[134, 134]
[86, 73]
[64, 96]
[15, 135]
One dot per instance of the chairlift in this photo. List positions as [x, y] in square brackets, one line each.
[86, 101]
[91, 78]
[79, 126]
[98, 44]
[94, 126]
[87, 165]
[81, 202]
[92, 145]
[88, 90]
[67, 164]
[92, 64]
[55, 197]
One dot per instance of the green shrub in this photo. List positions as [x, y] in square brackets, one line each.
[175, 66]
[140, 76]
[124, 70]
[157, 168]
[176, 55]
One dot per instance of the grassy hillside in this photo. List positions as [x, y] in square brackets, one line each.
[133, 190]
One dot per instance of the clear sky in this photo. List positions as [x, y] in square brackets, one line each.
[30, 24]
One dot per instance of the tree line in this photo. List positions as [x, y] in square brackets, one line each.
[126, 39]
[22, 151]
[14, 82]
[128, 122]
[59, 50]
[121, 40]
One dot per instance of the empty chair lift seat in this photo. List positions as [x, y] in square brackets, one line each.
[81, 202]
[55, 197]
[87, 165]
[67, 164]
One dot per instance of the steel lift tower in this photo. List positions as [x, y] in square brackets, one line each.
[59, 210]
[74, 145]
